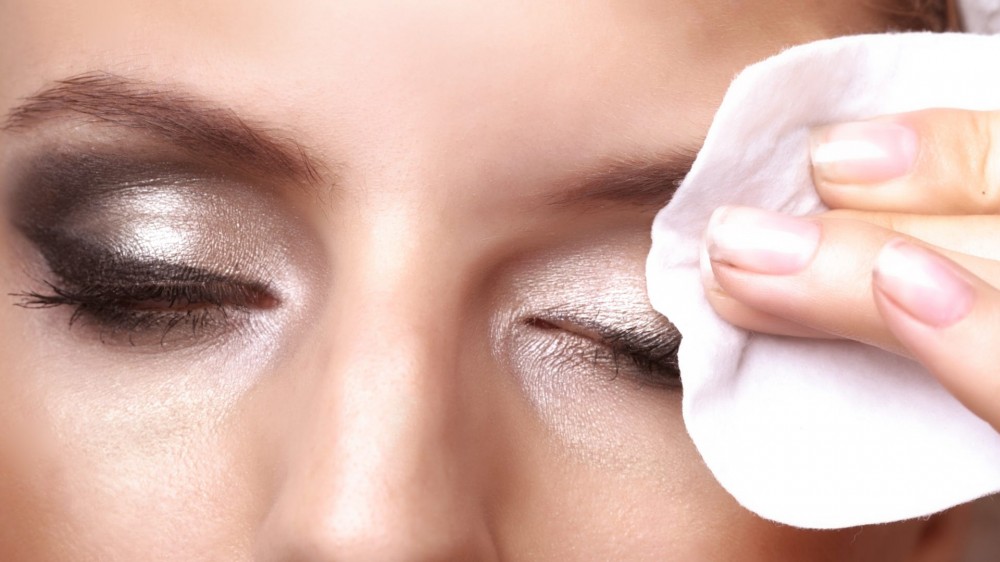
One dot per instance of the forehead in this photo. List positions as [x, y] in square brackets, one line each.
[544, 84]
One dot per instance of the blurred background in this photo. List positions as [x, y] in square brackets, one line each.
[985, 545]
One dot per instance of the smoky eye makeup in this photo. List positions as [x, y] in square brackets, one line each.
[152, 253]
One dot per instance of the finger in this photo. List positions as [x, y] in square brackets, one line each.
[975, 235]
[738, 313]
[947, 318]
[937, 161]
[812, 272]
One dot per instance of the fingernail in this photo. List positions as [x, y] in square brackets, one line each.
[864, 152]
[928, 287]
[761, 241]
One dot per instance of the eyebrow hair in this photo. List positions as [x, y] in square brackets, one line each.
[196, 125]
[640, 182]
[207, 129]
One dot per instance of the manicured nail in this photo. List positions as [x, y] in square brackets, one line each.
[865, 152]
[928, 287]
[761, 241]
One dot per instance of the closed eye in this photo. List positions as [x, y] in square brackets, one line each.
[647, 353]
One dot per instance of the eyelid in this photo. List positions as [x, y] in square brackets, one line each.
[602, 325]
[650, 345]
[97, 212]
[92, 172]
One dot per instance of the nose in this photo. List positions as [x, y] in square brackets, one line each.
[381, 462]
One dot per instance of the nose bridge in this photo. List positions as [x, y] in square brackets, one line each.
[379, 465]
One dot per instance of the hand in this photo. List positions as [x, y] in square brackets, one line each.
[908, 259]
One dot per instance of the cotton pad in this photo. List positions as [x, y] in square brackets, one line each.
[818, 434]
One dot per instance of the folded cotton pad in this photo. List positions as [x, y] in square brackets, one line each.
[818, 434]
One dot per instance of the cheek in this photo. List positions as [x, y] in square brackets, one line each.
[26, 440]
[79, 477]
[88, 466]
[652, 498]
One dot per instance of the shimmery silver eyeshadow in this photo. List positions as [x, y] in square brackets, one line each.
[149, 226]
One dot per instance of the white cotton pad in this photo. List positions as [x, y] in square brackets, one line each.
[818, 434]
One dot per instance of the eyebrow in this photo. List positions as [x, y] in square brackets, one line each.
[207, 129]
[648, 182]
[193, 124]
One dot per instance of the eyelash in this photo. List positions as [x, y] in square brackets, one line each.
[155, 312]
[649, 357]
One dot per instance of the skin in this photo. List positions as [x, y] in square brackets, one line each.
[393, 404]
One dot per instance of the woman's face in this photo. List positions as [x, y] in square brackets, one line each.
[361, 280]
